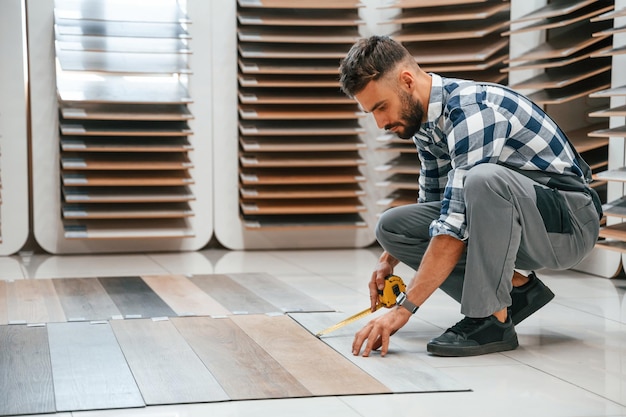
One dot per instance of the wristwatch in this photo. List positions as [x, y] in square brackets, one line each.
[401, 300]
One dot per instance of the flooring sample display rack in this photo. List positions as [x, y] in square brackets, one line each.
[131, 169]
[14, 175]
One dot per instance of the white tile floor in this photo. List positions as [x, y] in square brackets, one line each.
[571, 360]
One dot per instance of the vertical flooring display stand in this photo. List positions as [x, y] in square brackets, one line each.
[13, 129]
[50, 228]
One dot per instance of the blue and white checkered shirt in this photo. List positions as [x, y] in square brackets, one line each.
[471, 123]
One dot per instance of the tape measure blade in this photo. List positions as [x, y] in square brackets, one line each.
[342, 323]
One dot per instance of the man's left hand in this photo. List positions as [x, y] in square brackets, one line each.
[378, 331]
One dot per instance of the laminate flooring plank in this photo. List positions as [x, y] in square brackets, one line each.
[410, 373]
[183, 296]
[279, 293]
[135, 298]
[165, 367]
[89, 369]
[242, 367]
[4, 318]
[26, 375]
[84, 299]
[321, 370]
[33, 301]
[235, 297]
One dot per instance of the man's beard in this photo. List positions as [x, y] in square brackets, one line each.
[410, 116]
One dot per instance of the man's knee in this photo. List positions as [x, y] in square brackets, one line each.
[483, 179]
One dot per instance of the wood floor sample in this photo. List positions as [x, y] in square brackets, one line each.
[165, 367]
[33, 301]
[280, 294]
[183, 296]
[244, 369]
[134, 298]
[235, 297]
[401, 370]
[88, 368]
[26, 376]
[84, 299]
[4, 319]
[318, 367]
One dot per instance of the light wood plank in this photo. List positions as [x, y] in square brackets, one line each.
[127, 194]
[322, 370]
[619, 111]
[308, 159]
[616, 231]
[128, 178]
[610, 92]
[123, 63]
[26, 378]
[234, 297]
[126, 128]
[302, 4]
[88, 368]
[128, 229]
[294, 176]
[141, 162]
[562, 20]
[84, 299]
[125, 144]
[563, 77]
[301, 192]
[279, 293]
[308, 112]
[424, 32]
[303, 81]
[299, 144]
[289, 17]
[321, 206]
[305, 222]
[133, 297]
[183, 296]
[411, 373]
[457, 50]
[571, 92]
[300, 96]
[241, 366]
[258, 50]
[168, 372]
[462, 12]
[305, 128]
[619, 131]
[171, 30]
[119, 10]
[615, 208]
[407, 4]
[80, 43]
[126, 112]
[4, 318]
[298, 35]
[288, 66]
[126, 211]
[33, 301]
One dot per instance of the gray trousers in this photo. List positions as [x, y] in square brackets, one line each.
[513, 223]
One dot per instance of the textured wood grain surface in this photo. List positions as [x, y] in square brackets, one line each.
[235, 297]
[89, 370]
[33, 301]
[134, 297]
[183, 296]
[165, 367]
[3, 303]
[25, 372]
[242, 367]
[84, 299]
[318, 367]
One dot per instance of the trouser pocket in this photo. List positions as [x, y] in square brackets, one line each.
[553, 210]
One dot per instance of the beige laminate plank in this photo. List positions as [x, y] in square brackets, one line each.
[455, 51]
[563, 77]
[616, 231]
[258, 50]
[406, 181]
[171, 30]
[450, 30]
[183, 296]
[33, 301]
[327, 96]
[291, 80]
[127, 194]
[294, 176]
[325, 206]
[583, 142]
[572, 92]
[127, 229]
[494, 61]
[610, 15]
[560, 62]
[619, 111]
[620, 50]
[129, 178]
[308, 159]
[301, 192]
[619, 131]
[147, 161]
[305, 128]
[292, 17]
[610, 92]
[123, 63]
[305, 222]
[129, 112]
[322, 371]
[127, 128]
[304, 4]
[125, 144]
[403, 164]
[618, 174]
[305, 112]
[407, 4]
[165, 367]
[300, 144]
[288, 66]
[126, 211]
[3, 303]
[460, 12]
[243, 368]
[304, 35]
[80, 43]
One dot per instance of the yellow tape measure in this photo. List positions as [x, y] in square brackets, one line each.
[386, 298]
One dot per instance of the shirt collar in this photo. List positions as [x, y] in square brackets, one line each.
[435, 103]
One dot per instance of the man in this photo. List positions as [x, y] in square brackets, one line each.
[501, 189]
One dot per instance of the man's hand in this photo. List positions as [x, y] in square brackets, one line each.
[384, 268]
[378, 331]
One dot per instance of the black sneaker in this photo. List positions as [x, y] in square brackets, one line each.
[471, 337]
[528, 298]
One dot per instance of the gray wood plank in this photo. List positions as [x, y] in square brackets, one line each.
[135, 298]
[26, 375]
[165, 367]
[84, 299]
[241, 366]
[410, 373]
[235, 297]
[88, 368]
[277, 292]
[314, 364]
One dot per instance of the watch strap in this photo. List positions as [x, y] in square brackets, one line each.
[403, 301]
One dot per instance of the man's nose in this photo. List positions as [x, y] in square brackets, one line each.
[381, 120]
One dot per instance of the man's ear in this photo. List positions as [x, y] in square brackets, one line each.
[407, 81]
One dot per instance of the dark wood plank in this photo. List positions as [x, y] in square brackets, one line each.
[84, 299]
[321, 370]
[26, 378]
[33, 301]
[165, 367]
[134, 297]
[88, 368]
[242, 367]
[235, 297]
[279, 293]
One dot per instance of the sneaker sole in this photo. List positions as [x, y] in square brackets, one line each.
[541, 300]
[458, 351]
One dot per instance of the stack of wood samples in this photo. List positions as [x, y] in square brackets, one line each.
[299, 138]
[123, 119]
[453, 38]
[569, 67]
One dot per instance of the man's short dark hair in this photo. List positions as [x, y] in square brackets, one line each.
[369, 59]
